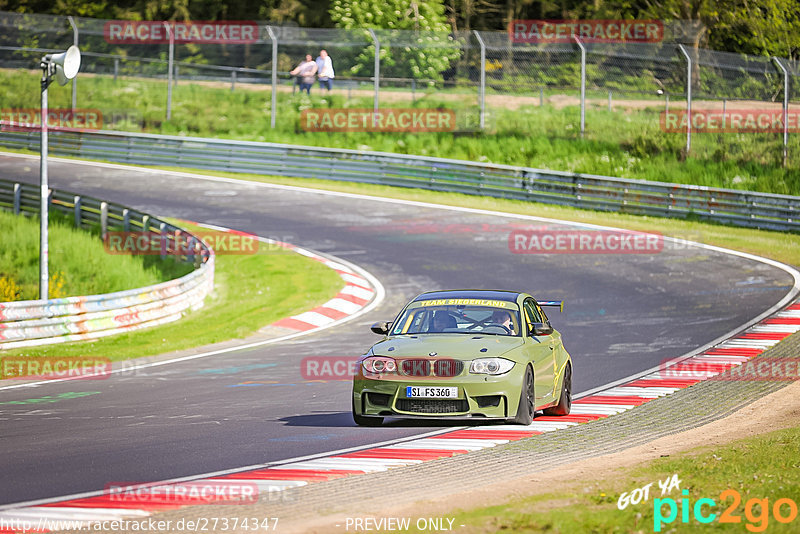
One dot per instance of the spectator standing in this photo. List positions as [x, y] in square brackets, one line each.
[305, 71]
[325, 70]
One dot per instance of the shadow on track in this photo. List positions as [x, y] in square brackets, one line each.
[345, 419]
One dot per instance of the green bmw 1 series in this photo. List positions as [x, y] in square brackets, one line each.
[465, 354]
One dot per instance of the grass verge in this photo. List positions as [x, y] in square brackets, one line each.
[250, 291]
[627, 143]
[79, 264]
[760, 470]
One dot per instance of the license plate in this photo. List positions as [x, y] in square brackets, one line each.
[420, 392]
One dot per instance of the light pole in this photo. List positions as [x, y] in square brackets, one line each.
[64, 67]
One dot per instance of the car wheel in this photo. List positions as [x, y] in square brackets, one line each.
[565, 400]
[362, 420]
[527, 400]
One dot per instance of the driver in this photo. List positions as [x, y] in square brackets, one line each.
[502, 317]
[442, 321]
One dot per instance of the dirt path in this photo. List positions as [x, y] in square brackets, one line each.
[507, 101]
[776, 411]
[512, 101]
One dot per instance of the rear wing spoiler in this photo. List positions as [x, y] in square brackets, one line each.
[556, 303]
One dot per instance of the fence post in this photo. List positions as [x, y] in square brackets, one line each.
[169, 68]
[233, 80]
[780, 65]
[583, 84]
[609, 100]
[482, 89]
[377, 44]
[75, 79]
[688, 98]
[126, 220]
[116, 68]
[103, 219]
[17, 198]
[273, 107]
[162, 238]
[77, 201]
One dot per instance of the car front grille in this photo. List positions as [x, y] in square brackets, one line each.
[416, 367]
[447, 368]
[444, 368]
[433, 405]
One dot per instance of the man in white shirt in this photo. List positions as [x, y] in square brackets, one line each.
[325, 70]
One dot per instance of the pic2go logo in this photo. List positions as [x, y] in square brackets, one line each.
[756, 511]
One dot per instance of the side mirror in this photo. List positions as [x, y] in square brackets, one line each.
[381, 327]
[541, 329]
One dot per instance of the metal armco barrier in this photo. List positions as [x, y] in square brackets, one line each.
[741, 208]
[38, 322]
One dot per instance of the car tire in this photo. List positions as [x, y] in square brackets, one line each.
[527, 400]
[363, 420]
[565, 400]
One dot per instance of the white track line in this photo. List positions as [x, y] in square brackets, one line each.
[789, 297]
[544, 426]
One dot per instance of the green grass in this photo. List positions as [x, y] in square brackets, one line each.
[79, 264]
[250, 291]
[764, 467]
[624, 143]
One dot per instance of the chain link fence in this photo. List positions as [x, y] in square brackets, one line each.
[490, 81]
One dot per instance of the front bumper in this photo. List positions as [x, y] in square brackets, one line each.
[479, 396]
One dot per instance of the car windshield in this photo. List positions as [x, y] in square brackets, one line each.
[430, 317]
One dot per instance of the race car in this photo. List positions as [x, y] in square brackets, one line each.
[465, 354]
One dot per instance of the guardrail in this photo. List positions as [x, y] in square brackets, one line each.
[42, 322]
[728, 206]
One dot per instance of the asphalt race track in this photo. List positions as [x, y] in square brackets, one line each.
[624, 314]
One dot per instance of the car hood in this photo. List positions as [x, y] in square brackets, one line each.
[456, 346]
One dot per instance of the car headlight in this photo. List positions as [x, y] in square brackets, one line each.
[379, 364]
[490, 366]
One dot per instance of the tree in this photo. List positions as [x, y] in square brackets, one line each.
[414, 35]
[763, 27]
[465, 15]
